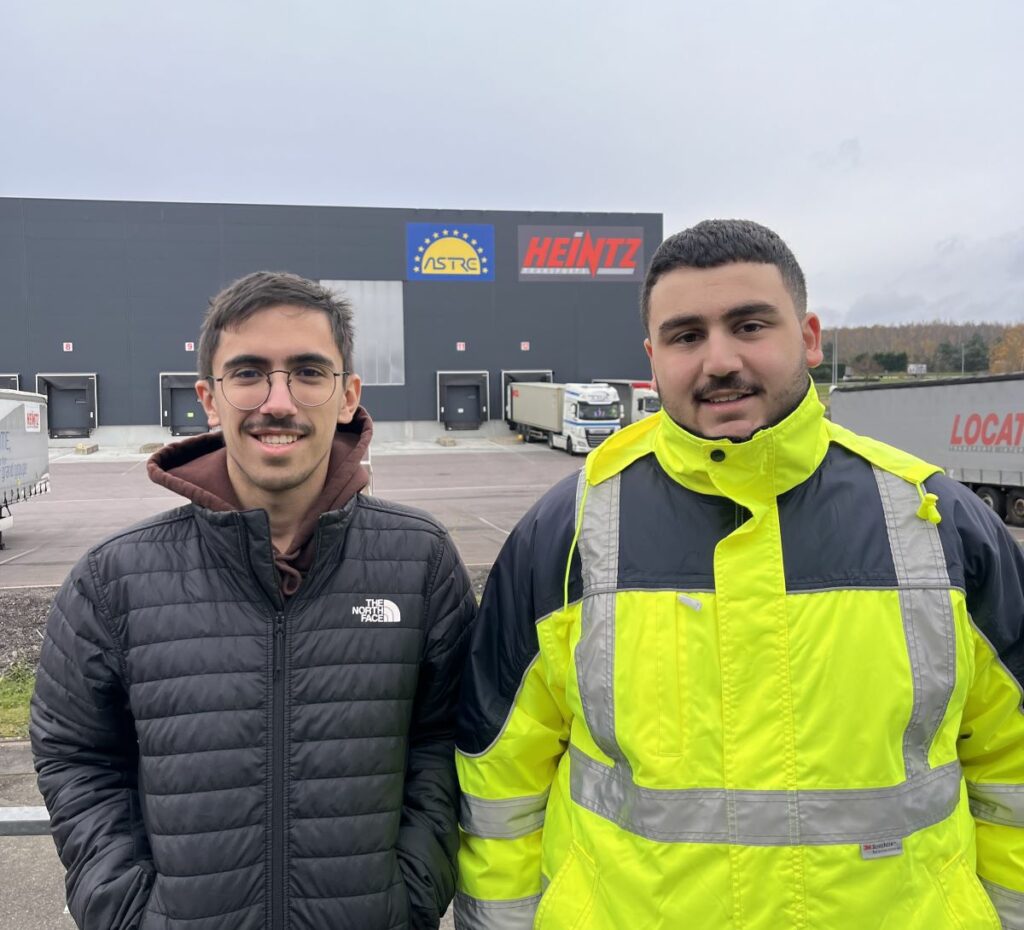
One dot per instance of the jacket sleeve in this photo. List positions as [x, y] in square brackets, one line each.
[991, 744]
[513, 719]
[86, 758]
[428, 835]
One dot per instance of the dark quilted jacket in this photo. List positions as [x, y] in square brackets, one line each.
[214, 758]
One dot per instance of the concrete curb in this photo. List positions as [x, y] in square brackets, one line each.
[16, 757]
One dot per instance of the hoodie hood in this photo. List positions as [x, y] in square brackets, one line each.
[196, 468]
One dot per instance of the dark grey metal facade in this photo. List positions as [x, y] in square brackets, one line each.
[126, 283]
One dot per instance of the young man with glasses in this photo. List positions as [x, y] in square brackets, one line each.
[243, 716]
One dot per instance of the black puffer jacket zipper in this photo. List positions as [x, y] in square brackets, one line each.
[277, 779]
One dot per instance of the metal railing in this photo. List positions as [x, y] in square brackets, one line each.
[24, 821]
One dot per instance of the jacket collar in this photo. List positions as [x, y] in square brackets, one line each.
[771, 462]
[196, 468]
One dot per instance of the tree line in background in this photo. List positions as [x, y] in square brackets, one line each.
[945, 348]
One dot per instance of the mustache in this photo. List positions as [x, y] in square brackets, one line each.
[269, 423]
[725, 383]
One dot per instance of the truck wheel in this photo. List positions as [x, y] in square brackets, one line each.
[568, 444]
[1015, 508]
[992, 498]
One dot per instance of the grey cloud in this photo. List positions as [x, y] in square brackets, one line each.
[846, 156]
[962, 281]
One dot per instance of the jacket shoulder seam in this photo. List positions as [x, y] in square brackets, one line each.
[180, 515]
[378, 505]
[103, 608]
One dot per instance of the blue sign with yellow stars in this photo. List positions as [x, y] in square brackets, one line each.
[449, 252]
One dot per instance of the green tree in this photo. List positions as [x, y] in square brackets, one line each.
[946, 358]
[891, 361]
[865, 364]
[975, 354]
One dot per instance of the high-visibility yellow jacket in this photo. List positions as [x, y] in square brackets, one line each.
[761, 685]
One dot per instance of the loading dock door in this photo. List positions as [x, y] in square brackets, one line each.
[187, 415]
[462, 398]
[180, 410]
[9, 383]
[462, 406]
[72, 404]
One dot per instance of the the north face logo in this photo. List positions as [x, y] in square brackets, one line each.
[378, 610]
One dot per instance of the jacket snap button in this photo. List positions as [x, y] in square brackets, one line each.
[717, 455]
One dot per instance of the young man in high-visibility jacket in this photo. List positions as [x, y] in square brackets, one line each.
[749, 670]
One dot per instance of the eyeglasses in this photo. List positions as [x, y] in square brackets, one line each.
[310, 385]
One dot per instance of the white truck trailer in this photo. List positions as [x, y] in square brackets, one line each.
[574, 417]
[971, 427]
[24, 453]
[638, 398]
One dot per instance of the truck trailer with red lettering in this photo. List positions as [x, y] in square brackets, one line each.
[24, 452]
[971, 427]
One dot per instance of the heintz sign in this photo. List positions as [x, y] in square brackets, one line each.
[581, 253]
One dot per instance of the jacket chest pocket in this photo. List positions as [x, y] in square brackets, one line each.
[664, 649]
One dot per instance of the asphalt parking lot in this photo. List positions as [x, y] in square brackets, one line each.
[479, 488]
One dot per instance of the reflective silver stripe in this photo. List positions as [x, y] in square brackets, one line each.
[1009, 905]
[927, 614]
[595, 652]
[765, 818]
[997, 803]
[774, 817]
[505, 819]
[474, 914]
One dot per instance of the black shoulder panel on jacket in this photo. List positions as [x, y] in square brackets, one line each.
[525, 585]
[654, 511]
[987, 561]
[833, 528]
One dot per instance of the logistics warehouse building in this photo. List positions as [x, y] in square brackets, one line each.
[101, 301]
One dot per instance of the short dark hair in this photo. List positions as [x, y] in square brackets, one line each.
[263, 289]
[713, 243]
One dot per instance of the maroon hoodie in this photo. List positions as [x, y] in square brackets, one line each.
[197, 468]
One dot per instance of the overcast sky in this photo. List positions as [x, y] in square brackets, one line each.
[883, 140]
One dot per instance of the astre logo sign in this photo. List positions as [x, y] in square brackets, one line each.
[377, 610]
[449, 252]
[581, 253]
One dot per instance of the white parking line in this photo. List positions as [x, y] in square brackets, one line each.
[490, 488]
[25, 587]
[493, 526]
[98, 500]
[462, 489]
[19, 555]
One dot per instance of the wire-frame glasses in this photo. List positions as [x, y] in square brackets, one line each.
[310, 385]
